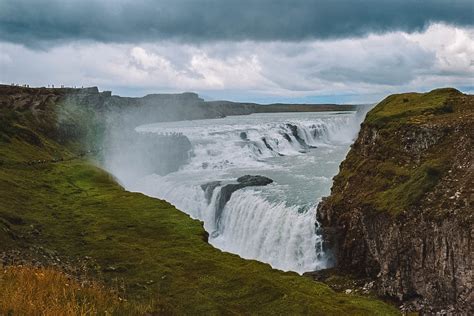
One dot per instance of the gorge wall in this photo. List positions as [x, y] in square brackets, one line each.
[401, 210]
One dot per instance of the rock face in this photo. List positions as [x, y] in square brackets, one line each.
[209, 188]
[401, 210]
[228, 189]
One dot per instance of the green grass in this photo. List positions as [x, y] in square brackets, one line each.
[411, 107]
[403, 194]
[157, 252]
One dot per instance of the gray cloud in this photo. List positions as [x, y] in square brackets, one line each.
[369, 67]
[40, 22]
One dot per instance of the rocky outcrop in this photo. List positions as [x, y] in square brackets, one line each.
[242, 182]
[228, 189]
[294, 132]
[401, 208]
[209, 188]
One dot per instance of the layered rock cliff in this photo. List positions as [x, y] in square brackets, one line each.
[401, 209]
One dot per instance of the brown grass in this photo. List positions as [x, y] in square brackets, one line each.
[46, 291]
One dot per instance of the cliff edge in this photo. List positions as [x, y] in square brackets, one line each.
[401, 209]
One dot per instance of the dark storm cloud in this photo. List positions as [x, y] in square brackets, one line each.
[36, 21]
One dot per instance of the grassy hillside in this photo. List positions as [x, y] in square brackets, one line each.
[407, 145]
[413, 107]
[54, 201]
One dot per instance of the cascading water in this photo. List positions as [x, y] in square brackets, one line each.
[275, 223]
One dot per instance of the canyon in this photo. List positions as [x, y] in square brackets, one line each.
[400, 211]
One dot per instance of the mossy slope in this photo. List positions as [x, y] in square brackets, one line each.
[406, 146]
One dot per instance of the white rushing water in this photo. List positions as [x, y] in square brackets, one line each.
[276, 223]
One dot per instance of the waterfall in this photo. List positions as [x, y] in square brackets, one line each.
[276, 223]
[281, 235]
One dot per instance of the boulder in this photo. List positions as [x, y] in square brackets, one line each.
[208, 189]
[242, 182]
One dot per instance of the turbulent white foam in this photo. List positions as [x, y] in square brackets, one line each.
[274, 224]
[247, 145]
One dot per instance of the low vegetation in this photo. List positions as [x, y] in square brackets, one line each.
[412, 107]
[29, 290]
[408, 192]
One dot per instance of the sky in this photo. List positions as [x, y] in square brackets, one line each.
[301, 51]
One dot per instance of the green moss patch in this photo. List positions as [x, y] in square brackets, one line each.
[403, 194]
[414, 107]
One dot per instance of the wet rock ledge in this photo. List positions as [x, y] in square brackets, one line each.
[228, 189]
